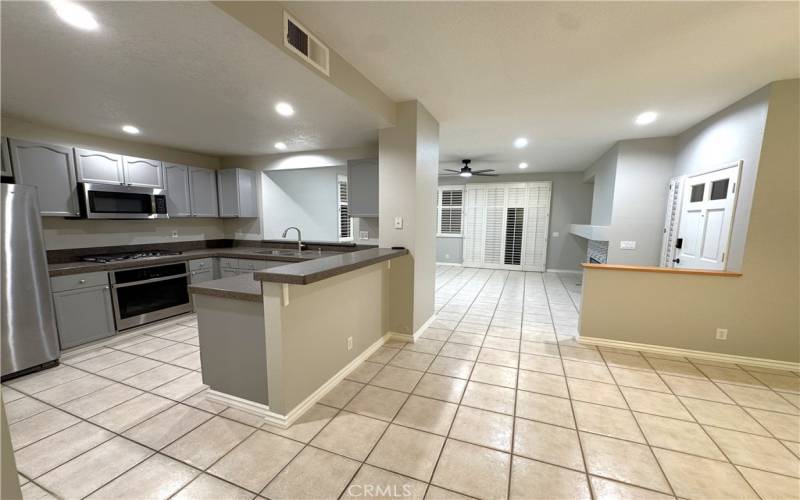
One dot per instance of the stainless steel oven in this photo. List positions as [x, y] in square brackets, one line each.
[106, 201]
[146, 294]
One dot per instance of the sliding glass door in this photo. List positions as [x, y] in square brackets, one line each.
[506, 225]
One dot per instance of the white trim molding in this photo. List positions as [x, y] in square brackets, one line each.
[570, 271]
[407, 337]
[454, 264]
[285, 421]
[690, 353]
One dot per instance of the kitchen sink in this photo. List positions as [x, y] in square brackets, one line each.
[282, 253]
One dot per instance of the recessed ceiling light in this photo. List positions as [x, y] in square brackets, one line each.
[523, 165]
[520, 142]
[284, 109]
[75, 14]
[646, 118]
[280, 145]
[130, 129]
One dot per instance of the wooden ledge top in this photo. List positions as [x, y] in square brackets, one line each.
[663, 270]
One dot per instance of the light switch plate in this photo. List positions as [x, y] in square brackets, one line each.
[363, 235]
[627, 245]
[398, 223]
[556, 234]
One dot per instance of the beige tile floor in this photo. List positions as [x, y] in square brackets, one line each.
[496, 400]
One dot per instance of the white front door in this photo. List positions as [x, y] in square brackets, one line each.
[709, 202]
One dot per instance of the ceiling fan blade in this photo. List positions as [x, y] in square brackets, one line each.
[482, 171]
[484, 175]
[451, 170]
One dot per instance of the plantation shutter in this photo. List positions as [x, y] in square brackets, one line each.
[450, 211]
[345, 221]
[537, 226]
[474, 234]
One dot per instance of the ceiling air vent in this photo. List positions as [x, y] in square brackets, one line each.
[300, 41]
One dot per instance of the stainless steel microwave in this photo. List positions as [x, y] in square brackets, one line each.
[106, 201]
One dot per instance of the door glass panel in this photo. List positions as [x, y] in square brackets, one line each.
[697, 193]
[719, 189]
[149, 297]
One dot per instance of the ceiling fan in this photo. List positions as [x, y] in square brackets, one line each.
[466, 171]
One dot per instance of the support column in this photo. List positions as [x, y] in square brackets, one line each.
[408, 163]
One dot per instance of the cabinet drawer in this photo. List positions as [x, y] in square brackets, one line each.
[75, 281]
[201, 276]
[251, 264]
[228, 263]
[201, 264]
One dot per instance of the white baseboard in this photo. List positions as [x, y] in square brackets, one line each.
[408, 337]
[572, 271]
[455, 264]
[676, 351]
[285, 421]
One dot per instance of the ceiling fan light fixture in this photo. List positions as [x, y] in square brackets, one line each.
[465, 173]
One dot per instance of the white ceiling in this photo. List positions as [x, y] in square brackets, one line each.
[187, 74]
[571, 76]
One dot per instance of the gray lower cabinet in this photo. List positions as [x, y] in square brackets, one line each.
[7, 171]
[141, 172]
[99, 167]
[176, 180]
[227, 273]
[202, 270]
[51, 169]
[237, 192]
[203, 192]
[84, 315]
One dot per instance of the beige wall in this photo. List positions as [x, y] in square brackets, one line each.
[408, 160]
[9, 480]
[307, 340]
[70, 233]
[760, 308]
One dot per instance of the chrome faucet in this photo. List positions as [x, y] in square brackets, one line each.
[299, 237]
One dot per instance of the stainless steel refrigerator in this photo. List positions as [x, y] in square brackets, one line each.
[29, 335]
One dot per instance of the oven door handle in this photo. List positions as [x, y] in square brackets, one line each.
[154, 280]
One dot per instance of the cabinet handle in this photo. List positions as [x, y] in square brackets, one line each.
[81, 281]
[105, 288]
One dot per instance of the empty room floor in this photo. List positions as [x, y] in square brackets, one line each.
[497, 399]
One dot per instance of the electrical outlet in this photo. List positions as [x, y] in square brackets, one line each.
[398, 223]
[174, 234]
[722, 334]
[627, 245]
[363, 235]
[349, 343]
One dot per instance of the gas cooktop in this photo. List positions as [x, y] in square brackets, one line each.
[114, 257]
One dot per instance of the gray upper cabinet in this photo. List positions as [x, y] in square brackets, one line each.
[176, 179]
[7, 170]
[203, 192]
[96, 166]
[362, 187]
[143, 173]
[237, 192]
[51, 169]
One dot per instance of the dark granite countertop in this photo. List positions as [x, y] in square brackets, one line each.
[255, 253]
[303, 273]
[242, 287]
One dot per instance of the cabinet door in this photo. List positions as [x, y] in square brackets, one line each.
[362, 188]
[201, 276]
[84, 315]
[143, 173]
[248, 188]
[6, 171]
[96, 166]
[52, 170]
[176, 179]
[228, 193]
[226, 273]
[203, 192]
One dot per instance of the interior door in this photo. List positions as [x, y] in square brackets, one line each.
[709, 202]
